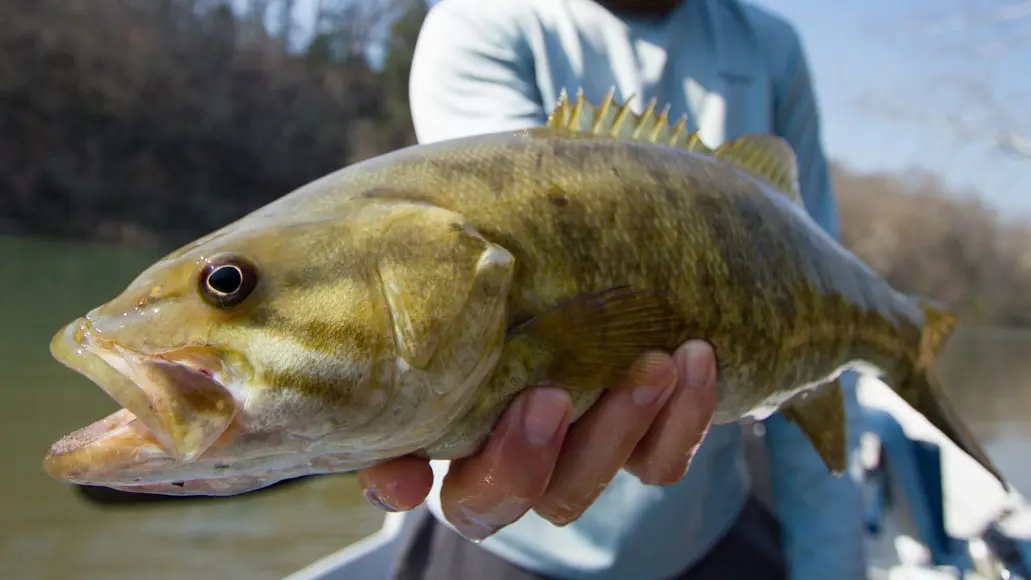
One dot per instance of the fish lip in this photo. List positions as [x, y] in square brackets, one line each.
[212, 486]
[80, 348]
[64, 458]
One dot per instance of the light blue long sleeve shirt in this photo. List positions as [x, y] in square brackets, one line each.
[482, 66]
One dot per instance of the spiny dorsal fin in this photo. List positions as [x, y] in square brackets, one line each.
[618, 122]
[765, 157]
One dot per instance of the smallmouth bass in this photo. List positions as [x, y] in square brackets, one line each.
[398, 305]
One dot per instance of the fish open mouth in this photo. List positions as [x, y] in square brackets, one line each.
[174, 408]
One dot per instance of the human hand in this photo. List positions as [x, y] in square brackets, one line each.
[535, 460]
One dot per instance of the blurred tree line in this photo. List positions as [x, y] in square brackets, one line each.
[119, 118]
[930, 241]
[131, 120]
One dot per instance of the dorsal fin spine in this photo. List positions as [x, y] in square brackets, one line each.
[603, 112]
[621, 114]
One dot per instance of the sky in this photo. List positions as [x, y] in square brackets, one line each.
[880, 50]
[870, 49]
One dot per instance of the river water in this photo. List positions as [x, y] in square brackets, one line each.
[50, 531]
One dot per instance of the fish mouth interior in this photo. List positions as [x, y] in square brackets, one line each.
[98, 430]
[175, 405]
[125, 415]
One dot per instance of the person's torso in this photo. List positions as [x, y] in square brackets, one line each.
[704, 60]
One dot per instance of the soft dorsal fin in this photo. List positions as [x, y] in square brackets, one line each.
[767, 158]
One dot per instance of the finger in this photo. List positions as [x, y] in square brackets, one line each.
[664, 454]
[602, 440]
[397, 485]
[485, 492]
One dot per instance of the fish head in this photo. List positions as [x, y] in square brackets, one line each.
[263, 353]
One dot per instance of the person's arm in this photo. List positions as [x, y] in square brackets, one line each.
[821, 515]
[473, 72]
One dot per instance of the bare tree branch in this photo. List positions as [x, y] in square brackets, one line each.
[1006, 141]
[972, 47]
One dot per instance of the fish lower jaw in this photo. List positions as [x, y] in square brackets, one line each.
[121, 453]
[174, 407]
[104, 450]
[182, 403]
[217, 486]
[202, 478]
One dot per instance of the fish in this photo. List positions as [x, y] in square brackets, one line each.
[398, 305]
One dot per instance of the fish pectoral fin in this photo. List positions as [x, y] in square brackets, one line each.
[595, 337]
[820, 414]
[767, 158]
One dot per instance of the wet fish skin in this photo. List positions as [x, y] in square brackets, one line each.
[403, 302]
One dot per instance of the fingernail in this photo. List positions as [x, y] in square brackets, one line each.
[697, 361]
[372, 497]
[476, 526]
[473, 531]
[646, 395]
[559, 519]
[543, 414]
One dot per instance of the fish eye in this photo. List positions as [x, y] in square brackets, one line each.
[227, 282]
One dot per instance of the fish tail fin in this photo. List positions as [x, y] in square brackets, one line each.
[924, 393]
[938, 328]
[933, 404]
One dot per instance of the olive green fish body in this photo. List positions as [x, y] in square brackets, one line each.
[743, 267]
[398, 305]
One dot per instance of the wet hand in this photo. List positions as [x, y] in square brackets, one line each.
[536, 460]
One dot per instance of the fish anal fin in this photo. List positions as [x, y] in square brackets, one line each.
[820, 414]
[596, 337]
